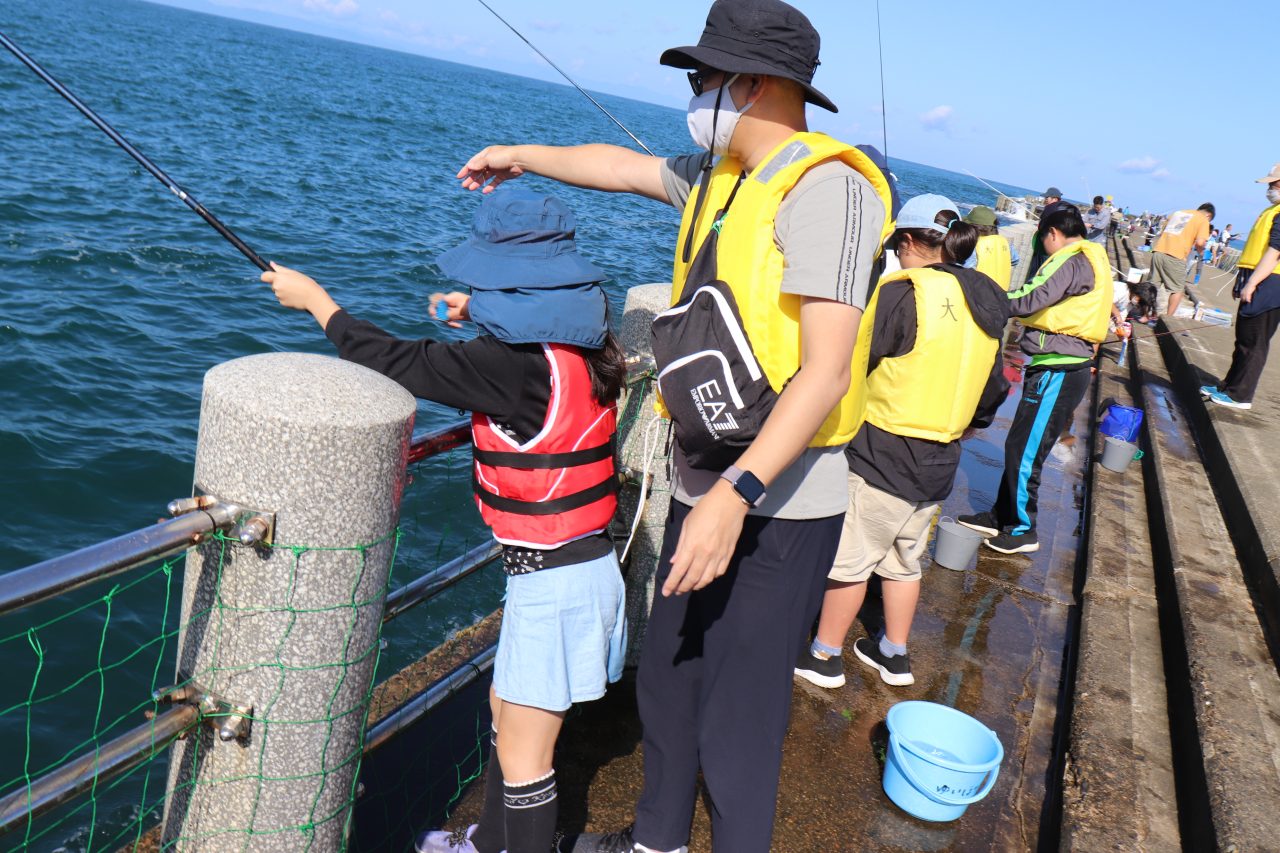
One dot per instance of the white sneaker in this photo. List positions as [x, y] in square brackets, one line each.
[447, 841]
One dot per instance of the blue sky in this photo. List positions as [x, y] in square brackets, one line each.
[1162, 105]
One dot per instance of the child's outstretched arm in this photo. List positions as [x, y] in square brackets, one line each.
[301, 291]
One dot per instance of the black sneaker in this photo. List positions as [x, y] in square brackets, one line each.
[815, 670]
[983, 522]
[894, 670]
[1008, 543]
[601, 842]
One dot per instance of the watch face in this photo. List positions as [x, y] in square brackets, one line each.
[750, 487]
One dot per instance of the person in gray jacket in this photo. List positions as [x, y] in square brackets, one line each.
[1054, 383]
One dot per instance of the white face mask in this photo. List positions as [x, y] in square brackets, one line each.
[711, 129]
[1273, 195]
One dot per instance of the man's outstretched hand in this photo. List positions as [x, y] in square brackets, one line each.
[489, 168]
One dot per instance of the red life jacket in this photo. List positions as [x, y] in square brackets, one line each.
[561, 484]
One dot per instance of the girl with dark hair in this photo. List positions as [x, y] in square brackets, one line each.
[931, 339]
[541, 381]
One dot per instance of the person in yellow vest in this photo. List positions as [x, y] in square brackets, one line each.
[1065, 309]
[1258, 289]
[934, 374]
[994, 255]
[799, 218]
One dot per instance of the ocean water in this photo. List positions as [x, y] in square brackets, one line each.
[331, 157]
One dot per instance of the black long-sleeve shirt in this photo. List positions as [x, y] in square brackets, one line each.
[916, 469]
[511, 383]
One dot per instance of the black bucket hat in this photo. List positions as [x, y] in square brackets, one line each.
[756, 37]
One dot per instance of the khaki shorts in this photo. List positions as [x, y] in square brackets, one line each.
[882, 534]
[1168, 272]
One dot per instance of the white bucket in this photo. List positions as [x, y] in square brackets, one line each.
[955, 545]
[1135, 275]
[1118, 453]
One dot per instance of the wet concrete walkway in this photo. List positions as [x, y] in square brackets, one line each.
[989, 641]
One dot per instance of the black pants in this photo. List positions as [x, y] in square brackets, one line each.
[1049, 399]
[714, 686]
[1253, 341]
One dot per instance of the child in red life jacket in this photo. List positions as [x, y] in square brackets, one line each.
[541, 380]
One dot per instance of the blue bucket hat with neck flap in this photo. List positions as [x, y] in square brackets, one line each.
[528, 282]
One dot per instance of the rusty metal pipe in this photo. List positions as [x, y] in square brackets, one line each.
[59, 575]
[79, 775]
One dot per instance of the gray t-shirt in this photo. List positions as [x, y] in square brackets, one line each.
[1098, 221]
[828, 230]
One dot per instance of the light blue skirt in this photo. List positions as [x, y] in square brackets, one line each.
[564, 635]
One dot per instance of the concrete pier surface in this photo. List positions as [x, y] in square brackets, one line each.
[991, 641]
[1128, 667]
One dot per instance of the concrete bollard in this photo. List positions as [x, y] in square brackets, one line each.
[644, 302]
[291, 630]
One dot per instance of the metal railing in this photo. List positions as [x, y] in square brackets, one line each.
[111, 759]
[60, 575]
[195, 519]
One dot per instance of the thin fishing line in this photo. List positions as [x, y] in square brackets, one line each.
[584, 92]
[128, 148]
[990, 186]
[880, 44]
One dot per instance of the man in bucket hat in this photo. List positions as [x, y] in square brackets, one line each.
[798, 220]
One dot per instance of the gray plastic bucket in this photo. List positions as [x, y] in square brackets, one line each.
[956, 545]
[1118, 453]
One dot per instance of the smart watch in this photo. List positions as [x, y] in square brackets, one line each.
[746, 484]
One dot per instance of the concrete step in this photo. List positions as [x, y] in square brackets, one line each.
[1239, 449]
[1224, 691]
[1118, 788]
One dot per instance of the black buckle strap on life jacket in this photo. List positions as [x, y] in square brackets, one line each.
[569, 459]
[590, 495]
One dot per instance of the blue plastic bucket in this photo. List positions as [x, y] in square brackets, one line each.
[939, 760]
[1122, 422]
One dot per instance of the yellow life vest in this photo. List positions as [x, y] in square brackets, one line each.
[932, 391]
[749, 261]
[1084, 316]
[993, 258]
[1256, 246]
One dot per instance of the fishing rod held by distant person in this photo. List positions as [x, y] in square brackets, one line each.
[142, 159]
[547, 59]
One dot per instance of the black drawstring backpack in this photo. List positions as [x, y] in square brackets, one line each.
[713, 386]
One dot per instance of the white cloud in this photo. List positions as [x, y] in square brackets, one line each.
[547, 25]
[1140, 165]
[1160, 174]
[938, 118]
[337, 8]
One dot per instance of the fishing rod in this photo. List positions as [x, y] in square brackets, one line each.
[884, 120]
[584, 92]
[142, 159]
[995, 189]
